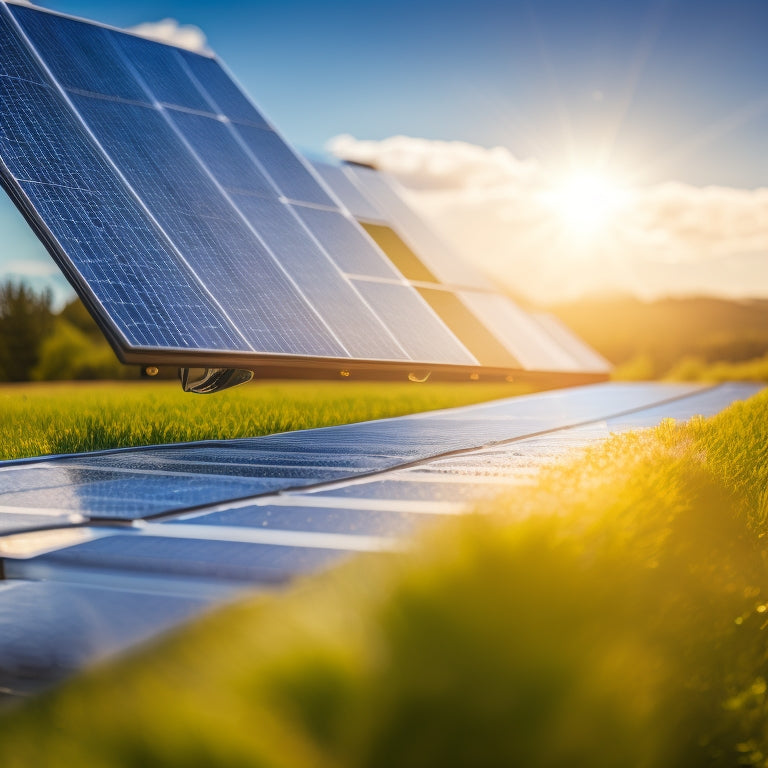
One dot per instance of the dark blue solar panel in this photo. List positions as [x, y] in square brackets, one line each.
[201, 222]
[404, 311]
[289, 173]
[353, 322]
[172, 221]
[347, 244]
[15, 60]
[162, 71]
[220, 89]
[107, 237]
[36, 142]
[79, 55]
[222, 153]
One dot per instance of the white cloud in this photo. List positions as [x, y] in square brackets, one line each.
[497, 211]
[170, 31]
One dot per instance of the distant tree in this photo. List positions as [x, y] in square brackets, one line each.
[70, 353]
[76, 314]
[25, 320]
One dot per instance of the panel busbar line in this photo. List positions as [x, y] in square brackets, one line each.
[196, 235]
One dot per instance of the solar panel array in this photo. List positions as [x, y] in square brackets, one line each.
[498, 332]
[196, 235]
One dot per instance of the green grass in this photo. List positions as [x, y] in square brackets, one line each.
[696, 369]
[615, 614]
[37, 419]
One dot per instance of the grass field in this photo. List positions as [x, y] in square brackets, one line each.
[37, 419]
[613, 615]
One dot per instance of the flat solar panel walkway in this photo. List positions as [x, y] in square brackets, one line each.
[102, 550]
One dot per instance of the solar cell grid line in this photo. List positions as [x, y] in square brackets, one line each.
[404, 310]
[352, 250]
[242, 274]
[42, 143]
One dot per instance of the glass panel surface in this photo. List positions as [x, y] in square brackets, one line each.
[414, 324]
[519, 332]
[221, 90]
[79, 55]
[162, 71]
[346, 243]
[355, 201]
[288, 172]
[222, 153]
[356, 326]
[468, 329]
[227, 257]
[400, 254]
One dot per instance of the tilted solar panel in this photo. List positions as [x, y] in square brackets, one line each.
[194, 234]
[498, 332]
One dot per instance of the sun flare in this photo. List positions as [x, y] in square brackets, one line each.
[587, 203]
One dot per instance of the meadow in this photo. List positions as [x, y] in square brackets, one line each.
[614, 614]
[66, 417]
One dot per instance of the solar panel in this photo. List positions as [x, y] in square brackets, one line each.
[499, 333]
[197, 237]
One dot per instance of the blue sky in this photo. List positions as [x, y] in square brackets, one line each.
[673, 90]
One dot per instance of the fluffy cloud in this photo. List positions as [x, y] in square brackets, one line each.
[506, 215]
[170, 31]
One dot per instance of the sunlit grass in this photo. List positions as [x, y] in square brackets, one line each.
[696, 369]
[612, 615]
[38, 419]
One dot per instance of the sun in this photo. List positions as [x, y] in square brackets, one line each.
[586, 202]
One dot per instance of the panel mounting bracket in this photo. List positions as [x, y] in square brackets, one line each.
[206, 381]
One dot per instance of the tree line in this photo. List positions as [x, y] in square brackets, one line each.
[40, 344]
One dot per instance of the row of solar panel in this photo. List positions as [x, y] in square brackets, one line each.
[497, 332]
[74, 593]
[189, 225]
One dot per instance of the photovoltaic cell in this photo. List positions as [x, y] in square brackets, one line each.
[349, 247]
[356, 202]
[439, 259]
[221, 91]
[162, 71]
[105, 234]
[414, 324]
[469, 330]
[355, 325]
[289, 173]
[15, 61]
[401, 255]
[150, 297]
[80, 56]
[498, 332]
[519, 332]
[215, 143]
